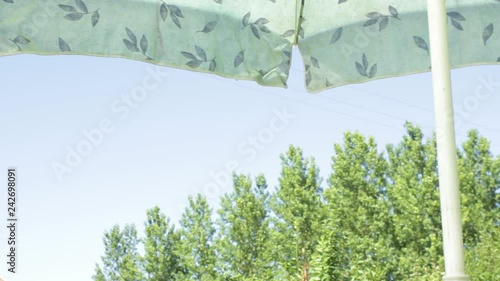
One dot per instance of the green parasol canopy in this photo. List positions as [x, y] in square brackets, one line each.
[342, 41]
[239, 38]
[354, 41]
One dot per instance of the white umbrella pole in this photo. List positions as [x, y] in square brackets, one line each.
[446, 146]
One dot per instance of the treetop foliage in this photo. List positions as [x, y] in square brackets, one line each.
[376, 217]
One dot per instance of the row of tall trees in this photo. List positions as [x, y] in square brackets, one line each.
[378, 218]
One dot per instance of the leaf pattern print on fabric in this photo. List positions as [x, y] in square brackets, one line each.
[259, 24]
[195, 61]
[174, 12]
[327, 83]
[20, 40]
[209, 27]
[383, 20]
[240, 57]
[421, 43]
[75, 14]
[487, 32]
[278, 30]
[291, 32]
[63, 46]
[134, 46]
[315, 62]
[336, 35]
[287, 59]
[288, 33]
[455, 17]
[99, 28]
[362, 68]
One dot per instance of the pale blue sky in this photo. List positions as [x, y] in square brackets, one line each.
[188, 127]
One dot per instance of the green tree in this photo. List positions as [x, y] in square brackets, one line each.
[379, 219]
[196, 241]
[243, 236]
[479, 174]
[355, 244]
[161, 258]
[121, 260]
[413, 192]
[298, 208]
[482, 260]
[329, 262]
